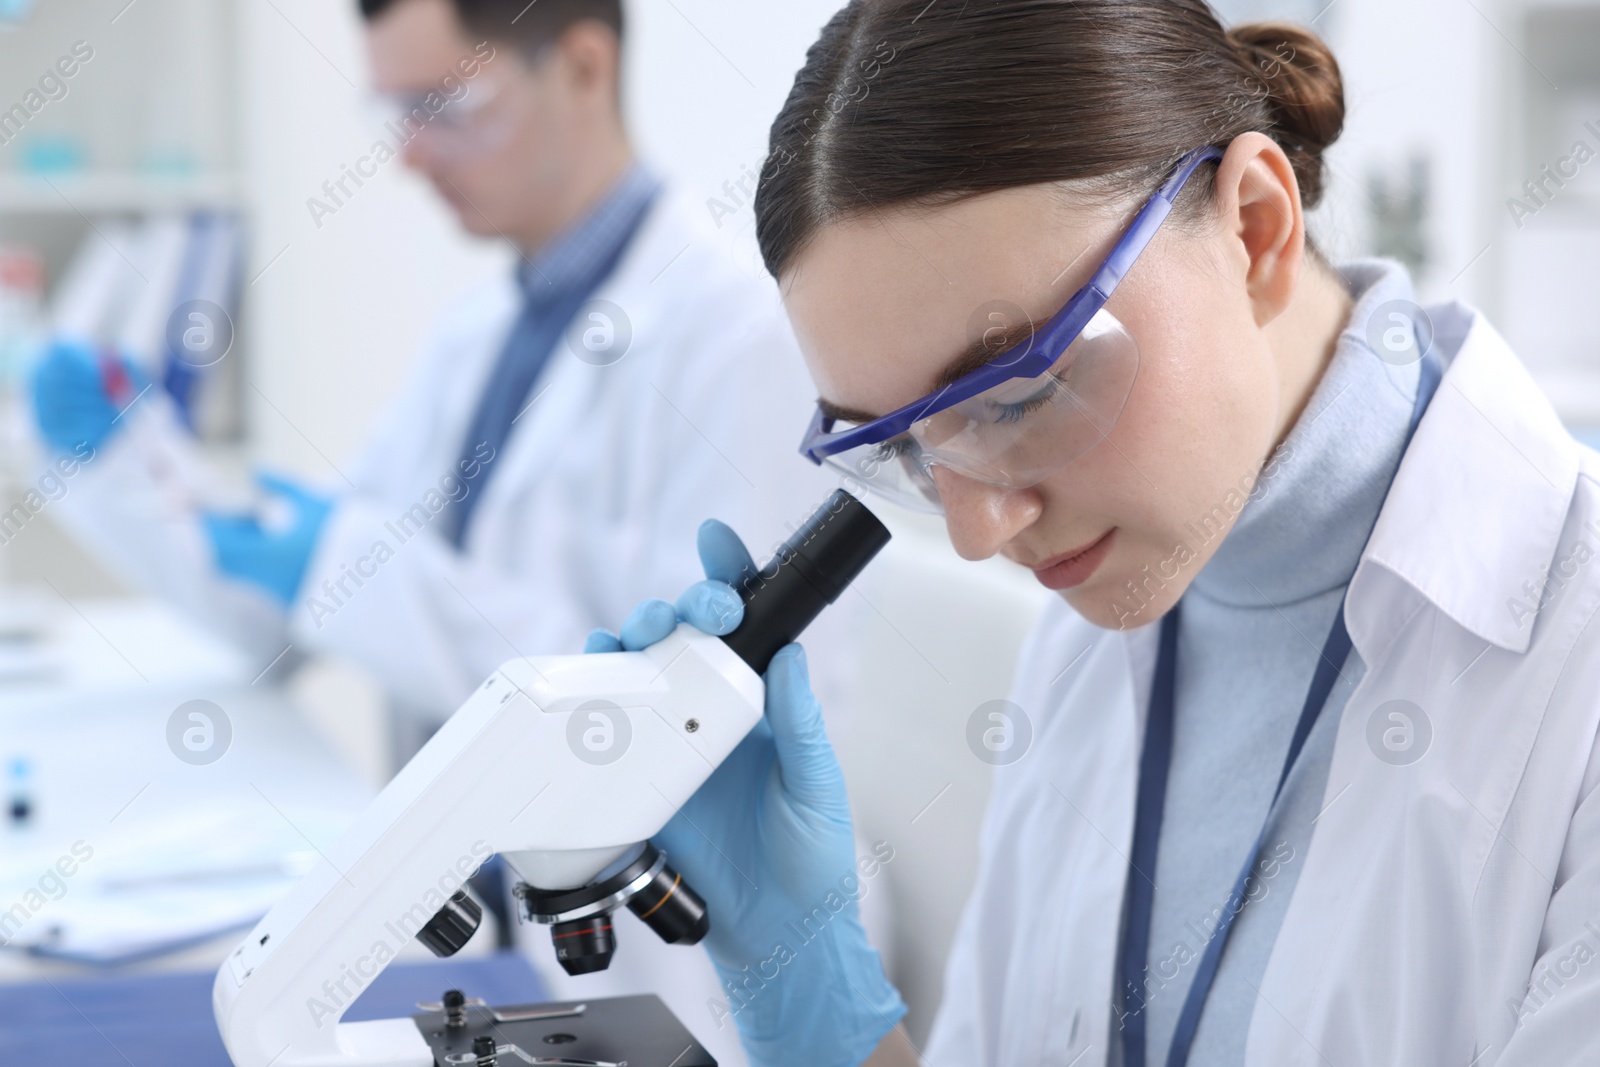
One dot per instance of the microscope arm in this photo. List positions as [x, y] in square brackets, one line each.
[508, 773]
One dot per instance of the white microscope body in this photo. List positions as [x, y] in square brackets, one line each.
[561, 764]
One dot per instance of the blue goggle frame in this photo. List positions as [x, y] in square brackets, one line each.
[1033, 357]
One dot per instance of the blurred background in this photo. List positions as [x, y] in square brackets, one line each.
[211, 124]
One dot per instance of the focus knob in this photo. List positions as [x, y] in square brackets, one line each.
[453, 926]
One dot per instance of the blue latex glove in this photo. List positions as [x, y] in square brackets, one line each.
[272, 557]
[79, 396]
[767, 842]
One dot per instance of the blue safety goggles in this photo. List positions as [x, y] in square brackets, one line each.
[1023, 415]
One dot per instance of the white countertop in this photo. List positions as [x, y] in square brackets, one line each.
[171, 842]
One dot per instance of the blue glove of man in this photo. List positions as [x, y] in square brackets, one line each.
[767, 842]
[275, 555]
[79, 396]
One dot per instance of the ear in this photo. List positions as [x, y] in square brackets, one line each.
[592, 58]
[1258, 203]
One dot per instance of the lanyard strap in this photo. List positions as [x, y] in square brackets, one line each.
[1155, 762]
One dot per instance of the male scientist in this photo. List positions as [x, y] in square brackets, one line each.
[561, 439]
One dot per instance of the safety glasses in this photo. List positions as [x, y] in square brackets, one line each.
[1025, 414]
[468, 124]
[463, 125]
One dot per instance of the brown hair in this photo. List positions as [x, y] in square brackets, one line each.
[528, 26]
[907, 101]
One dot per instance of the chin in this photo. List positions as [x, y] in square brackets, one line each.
[466, 209]
[474, 223]
[1105, 601]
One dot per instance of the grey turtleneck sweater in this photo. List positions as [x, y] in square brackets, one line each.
[1253, 623]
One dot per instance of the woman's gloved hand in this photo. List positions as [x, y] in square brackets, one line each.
[79, 396]
[767, 842]
[271, 555]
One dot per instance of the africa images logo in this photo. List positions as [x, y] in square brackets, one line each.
[199, 732]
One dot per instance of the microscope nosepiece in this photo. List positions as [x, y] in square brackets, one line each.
[580, 919]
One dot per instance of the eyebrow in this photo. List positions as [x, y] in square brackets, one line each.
[982, 351]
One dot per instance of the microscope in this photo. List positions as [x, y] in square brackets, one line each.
[565, 766]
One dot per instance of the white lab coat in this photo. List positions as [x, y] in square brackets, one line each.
[601, 487]
[1434, 894]
[592, 506]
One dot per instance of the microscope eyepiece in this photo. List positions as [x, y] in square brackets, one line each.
[807, 574]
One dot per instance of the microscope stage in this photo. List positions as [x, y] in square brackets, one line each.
[636, 1031]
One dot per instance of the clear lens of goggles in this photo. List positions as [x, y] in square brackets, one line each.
[463, 125]
[1015, 434]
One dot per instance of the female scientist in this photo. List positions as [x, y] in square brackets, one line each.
[1311, 776]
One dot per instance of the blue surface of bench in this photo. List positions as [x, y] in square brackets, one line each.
[164, 1020]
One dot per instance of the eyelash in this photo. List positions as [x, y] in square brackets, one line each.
[1021, 410]
[899, 447]
[892, 449]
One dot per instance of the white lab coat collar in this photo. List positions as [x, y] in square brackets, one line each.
[1468, 531]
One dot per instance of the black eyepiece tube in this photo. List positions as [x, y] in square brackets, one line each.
[806, 575]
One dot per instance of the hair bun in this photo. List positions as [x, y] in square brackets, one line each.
[1304, 93]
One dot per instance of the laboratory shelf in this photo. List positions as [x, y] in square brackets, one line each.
[115, 193]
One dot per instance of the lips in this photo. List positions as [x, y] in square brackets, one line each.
[1074, 567]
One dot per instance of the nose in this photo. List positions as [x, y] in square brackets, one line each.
[421, 154]
[981, 517]
[415, 156]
